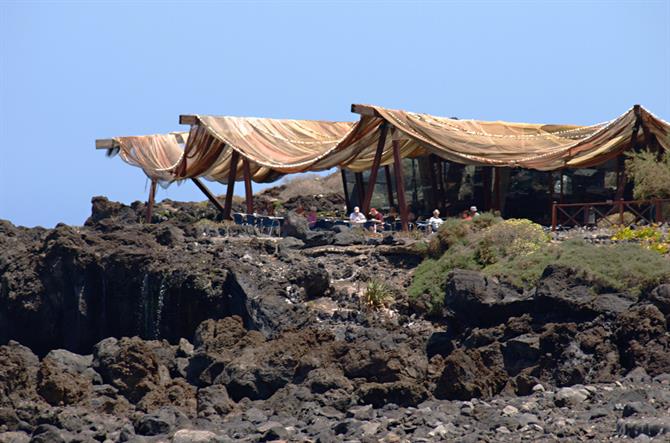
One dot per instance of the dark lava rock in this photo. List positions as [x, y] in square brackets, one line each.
[214, 400]
[18, 374]
[295, 225]
[65, 378]
[476, 299]
[311, 277]
[472, 373]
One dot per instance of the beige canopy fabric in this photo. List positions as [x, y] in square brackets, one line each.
[274, 147]
[158, 155]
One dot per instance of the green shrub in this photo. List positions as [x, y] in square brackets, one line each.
[617, 267]
[377, 294]
[456, 230]
[650, 175]
[518, 251]
[509, 239]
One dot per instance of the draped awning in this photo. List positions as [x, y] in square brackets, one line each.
[275, 147]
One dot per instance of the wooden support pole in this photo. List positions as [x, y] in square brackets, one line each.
[345, 188]
[360, 189]
[208, 194]
[554, 217]
[400, 185]
[487, 178]
[249, 194]
[432, 200]
[389, 185]
[150, 203]
[496, 189]
[372, 181]
[232, 174]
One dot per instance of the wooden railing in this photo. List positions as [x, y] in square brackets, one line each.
[611, 212]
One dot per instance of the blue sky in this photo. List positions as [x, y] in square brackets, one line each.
[71, 72]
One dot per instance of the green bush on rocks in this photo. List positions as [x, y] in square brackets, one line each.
[516, 252]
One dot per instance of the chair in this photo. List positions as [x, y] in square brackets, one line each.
[238, 218]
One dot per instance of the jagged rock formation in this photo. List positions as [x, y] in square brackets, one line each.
[200, 332]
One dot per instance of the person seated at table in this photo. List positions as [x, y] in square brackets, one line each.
[357, 217]
[377, 219]
[435, 221]
[465, 215]
[393, 214]
[311, 217]
[300, 210]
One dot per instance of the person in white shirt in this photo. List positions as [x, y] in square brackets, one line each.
[357, 217]
[435, 221]
[473, 211]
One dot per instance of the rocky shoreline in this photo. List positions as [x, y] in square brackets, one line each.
[189, 330]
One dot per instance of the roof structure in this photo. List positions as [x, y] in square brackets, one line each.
[230, 149]
[275, 147]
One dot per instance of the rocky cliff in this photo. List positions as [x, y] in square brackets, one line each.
[193, 330]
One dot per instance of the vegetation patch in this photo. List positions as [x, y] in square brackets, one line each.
[516, 252]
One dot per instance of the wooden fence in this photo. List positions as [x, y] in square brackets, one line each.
[610, 213]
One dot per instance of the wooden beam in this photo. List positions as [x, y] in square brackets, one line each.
[365, 110]
[247, 186]
[400, 185]
[375, 167]
[150, 203]
[106, 143]
[208, 194]
[389, 185]
[232, 175]
[188, 120]
[345, 188]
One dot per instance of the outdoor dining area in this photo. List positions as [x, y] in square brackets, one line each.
[423, 162]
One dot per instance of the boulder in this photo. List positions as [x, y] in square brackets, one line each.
[295, 225]
[18, 374]
[402, 393]
[478, 300]
[214, 401]
[65, 378]
[129, 365]
[472, 373]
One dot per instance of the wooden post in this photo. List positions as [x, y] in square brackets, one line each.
[347, 201]
[658, 211]
[562, 181]
[208, 194]
[360, 190]
[232, 174]
[487, 173]
[249, 194]
[400, 185]
[365, 207]
[496, 188]
[150, 203]
[389, 185]
[554, 217]
[434, 191]
[585, 214]
[621, 207]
